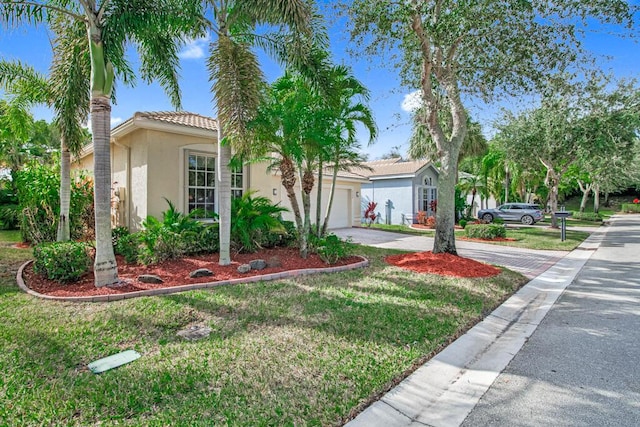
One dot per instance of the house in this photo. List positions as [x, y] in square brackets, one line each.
[172, 155]
[400, 188]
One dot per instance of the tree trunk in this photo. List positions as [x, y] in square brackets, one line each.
[553, 199]
[288, 178]
[473, 200]
[596, 198]
[444, 241]
[105, 269]
[332, 191]
[586, 189]
[64, 233]
[319, 228]
[307, 182]
[606, 199]
[224, 198]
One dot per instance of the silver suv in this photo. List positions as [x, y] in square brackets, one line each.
[525, 213]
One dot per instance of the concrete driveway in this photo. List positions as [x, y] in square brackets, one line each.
[528, 262]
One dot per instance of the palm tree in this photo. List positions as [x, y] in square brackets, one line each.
[346, 96]
[237, 77]
[67, 91]
[155, 27]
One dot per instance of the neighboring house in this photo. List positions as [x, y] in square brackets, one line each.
[401, 188]
[172, 155]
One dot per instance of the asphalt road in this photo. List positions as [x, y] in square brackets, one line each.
[581, 366]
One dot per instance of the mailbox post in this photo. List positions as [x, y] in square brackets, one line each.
[563, 215]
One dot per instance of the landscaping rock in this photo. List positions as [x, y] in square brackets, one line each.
[258, 264]
[194, 333]
[274, 261]
[244, 268]
[201, 272]
[150, 278]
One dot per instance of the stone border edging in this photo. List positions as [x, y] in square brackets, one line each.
[183, 288]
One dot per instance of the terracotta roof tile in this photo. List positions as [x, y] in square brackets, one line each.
[182, 118]
[391, 167]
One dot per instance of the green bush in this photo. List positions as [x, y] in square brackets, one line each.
[331, 248]
[587, 216]
[252, 219]
[462, 223]
[39, 194]
[62, 261]
[175, 236]
[485, 231]
[9, 217]
[630, 207]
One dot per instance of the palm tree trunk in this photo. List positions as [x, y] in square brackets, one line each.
[224, 198]
[105, 269]
[64, 233]
[332, 191]
[319, 199]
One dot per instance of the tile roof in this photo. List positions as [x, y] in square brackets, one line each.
[182, 118]
[392, 167]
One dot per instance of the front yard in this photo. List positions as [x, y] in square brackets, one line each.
[306, 351]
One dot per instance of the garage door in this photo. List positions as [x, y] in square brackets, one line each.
[340, 211]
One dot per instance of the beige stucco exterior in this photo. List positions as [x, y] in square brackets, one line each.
[149, 164]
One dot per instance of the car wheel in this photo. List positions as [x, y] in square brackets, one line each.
[527, 220]
[487, 217]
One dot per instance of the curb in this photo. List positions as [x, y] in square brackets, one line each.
[443, 391]
[183, 288]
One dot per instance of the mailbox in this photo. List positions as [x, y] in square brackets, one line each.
[562, 214]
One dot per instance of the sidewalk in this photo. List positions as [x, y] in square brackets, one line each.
[447, 388]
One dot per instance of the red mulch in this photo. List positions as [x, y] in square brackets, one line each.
[176, 272]
[443, 264]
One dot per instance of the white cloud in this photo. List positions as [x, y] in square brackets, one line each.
[411, 102]
[194, 48]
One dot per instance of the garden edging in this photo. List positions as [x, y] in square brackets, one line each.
[183, 288]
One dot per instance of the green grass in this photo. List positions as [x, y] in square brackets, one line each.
[526, 237]
[9, 237]
[293, 352]
[543, 238]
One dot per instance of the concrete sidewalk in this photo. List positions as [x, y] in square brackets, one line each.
[446, 389]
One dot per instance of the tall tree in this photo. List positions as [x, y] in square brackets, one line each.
[67, 91]
[347, 106]
[237, 79]
[449, 48]
[155, 28]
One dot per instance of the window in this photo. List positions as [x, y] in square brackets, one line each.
[236, 182]
[202, 183]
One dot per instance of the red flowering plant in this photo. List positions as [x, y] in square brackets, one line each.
[636, 201]
[370, 213]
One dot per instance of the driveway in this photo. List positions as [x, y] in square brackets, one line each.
[528, 262]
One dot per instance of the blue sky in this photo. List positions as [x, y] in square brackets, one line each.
[388, 98]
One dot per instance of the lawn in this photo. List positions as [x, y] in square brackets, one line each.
[307, 351]
[543, 238]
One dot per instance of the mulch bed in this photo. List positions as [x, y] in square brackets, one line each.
[176, 272]
[443, 264]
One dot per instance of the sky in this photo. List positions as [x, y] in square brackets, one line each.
[390, 102]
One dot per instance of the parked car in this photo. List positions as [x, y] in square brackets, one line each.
[525, 213]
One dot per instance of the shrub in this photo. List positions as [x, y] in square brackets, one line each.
[62, 261]
[370, 213]
[430, 222]
[587, 216]
[9, 217]
[39, 194]
[331, 248]
[462, 223]
[252, 219]
[208, 240]
[126, 244]
[485, 231]
[630, 207]
[421, 218]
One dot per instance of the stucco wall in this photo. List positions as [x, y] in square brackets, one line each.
[398, 192]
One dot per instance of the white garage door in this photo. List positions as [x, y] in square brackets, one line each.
[340, 212]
